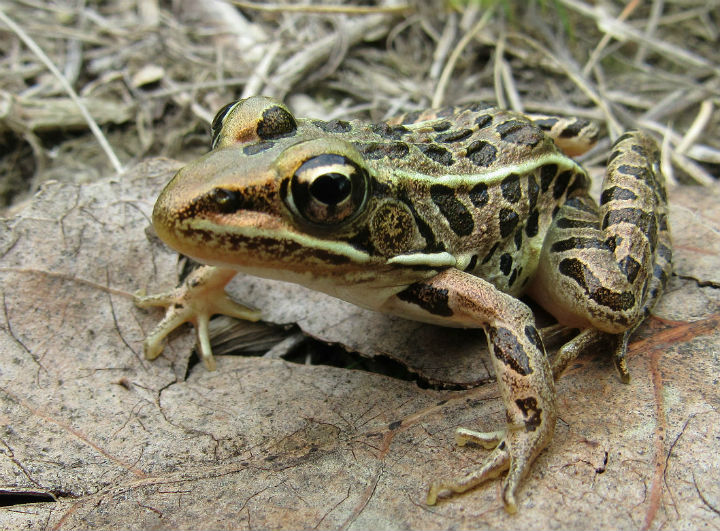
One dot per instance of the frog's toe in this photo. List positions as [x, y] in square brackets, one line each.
[486, 439]
[495, 464]
[175, 316]
[142, 300]
[511, 484]
[152, 348]
[224, 305]
[514, 450]
[200, 296]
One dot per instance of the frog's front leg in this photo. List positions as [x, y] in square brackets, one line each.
[520, 365]
[198, 298]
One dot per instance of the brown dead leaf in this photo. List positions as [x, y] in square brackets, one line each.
[125, 443]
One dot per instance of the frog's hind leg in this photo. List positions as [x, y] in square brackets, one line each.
[520, 364]
[604, 268]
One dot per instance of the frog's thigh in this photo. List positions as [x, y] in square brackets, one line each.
[518, 358]
[578, 278]
[604, 267]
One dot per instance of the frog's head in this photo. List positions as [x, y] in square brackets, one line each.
[284, 195]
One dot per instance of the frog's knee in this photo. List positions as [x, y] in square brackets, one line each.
[576, 303]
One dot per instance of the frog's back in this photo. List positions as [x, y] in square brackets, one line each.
[473, 140]
[480, 184]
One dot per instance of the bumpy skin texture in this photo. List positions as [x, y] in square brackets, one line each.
[444, 217]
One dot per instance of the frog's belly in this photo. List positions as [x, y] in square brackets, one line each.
[376, 291]
[413, 312]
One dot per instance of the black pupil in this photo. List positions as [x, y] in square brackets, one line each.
[330, 188]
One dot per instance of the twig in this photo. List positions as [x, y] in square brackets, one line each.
[443, 46]
[652, 24]
[606, 39]
[294, 67]
[583, 84]
[30, 43]
[439, 94]
[497, 71]
[691, 168]
[260, 72]
[701, 120]
[622, 31]
[509, 85]
[326, 9]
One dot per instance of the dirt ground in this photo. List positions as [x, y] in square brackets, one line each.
[92, 93]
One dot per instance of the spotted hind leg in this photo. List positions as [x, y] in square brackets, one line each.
[520, 365]
[603, 268]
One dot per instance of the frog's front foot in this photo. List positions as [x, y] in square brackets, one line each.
[198, 298]
[514, 449]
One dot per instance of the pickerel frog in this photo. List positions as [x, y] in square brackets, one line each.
[445, 217]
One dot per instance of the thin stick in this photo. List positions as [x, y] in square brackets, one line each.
[447, 71]
[30, 43]
[655, 12]
[606, 39]
[623, 31]
[497, 72]
[699, 123]
[583, 84]
[327, 9]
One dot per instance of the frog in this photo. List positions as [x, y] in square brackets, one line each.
[448, 217]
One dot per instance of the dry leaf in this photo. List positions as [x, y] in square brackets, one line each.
[121, 442]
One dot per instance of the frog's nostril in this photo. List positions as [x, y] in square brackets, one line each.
[226, 201]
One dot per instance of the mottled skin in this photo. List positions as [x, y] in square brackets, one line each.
[445, 217]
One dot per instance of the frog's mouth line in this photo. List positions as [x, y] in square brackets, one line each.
[257, 246]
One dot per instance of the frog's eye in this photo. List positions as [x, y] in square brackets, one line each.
[327, 189]
[250, 121]
[219, 120]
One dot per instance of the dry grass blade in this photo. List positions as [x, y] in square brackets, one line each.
[444, 45]
[594, 57]
[45, 116]
[30, 43]
[614, 126]
[439, 94]
[670, 138]
[326, 9]
[622, 31]
[504, 81]
[650, 27]
[232, 32]
[701, 121]
[293, 69]
[694, 170]
[704, 153]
